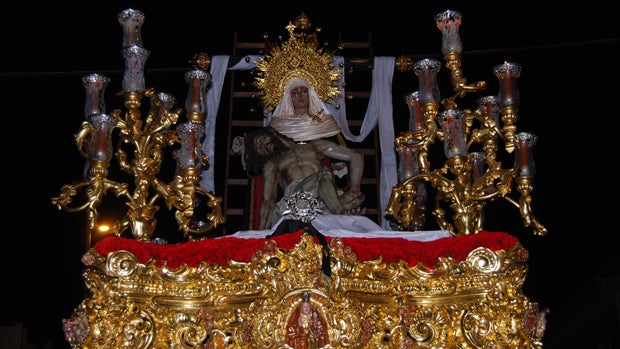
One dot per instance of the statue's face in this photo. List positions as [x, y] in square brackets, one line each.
[264, 145]
[300, 97]
[306, 307]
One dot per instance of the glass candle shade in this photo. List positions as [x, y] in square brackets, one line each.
[407, 168]
[100, 146]
[426, 70]
[477, 161]
[452, 125]
[416, 116]
[167, 101]
[190, 154]
[196, 100]
[131, 21]
[407, 162]
[488, 105]
[524, 158]
[133, 78]
[95, 85]
[507, 74]
[448, 23]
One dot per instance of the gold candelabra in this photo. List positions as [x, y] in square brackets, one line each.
[141, 148]
[468, 179]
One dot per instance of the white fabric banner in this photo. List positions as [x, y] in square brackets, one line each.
[214, 92]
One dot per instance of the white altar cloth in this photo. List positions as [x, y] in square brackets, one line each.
[350, 226]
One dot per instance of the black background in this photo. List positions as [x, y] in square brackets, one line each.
[569, 99]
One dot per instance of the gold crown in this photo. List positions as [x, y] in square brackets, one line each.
[299, 57]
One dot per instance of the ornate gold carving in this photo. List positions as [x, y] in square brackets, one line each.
[475, 303]
[462, 187]
[299, 57]
[140, 152]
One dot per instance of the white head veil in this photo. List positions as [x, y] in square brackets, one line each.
[315, 104]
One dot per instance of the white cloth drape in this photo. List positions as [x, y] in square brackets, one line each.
[349, 227]
[381, 104]
[379, 112]
[214, 92]
[219, 66]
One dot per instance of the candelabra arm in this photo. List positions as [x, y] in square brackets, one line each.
[495, 182]
[525, 187]
[440, 216]
[459, 83]
[426, 138]
[195, 229]
[509, 118]
[94, 188]
[160, 117]
[426, 135]
[167, 120]
[180, 194]
[485, 197]
[485, 135]
[133, 114]
[402, 206]
[81, 138]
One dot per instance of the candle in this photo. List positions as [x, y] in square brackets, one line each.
[477, 164]
[101, 143]
[131, 22]
[508, 85]
[133, 78]
[448, 23]
[507, 73]
[101, 138]
[416, 116]
[196, 96]
[451, 122]
[489, 108]
[95, 86]
[419, 118]
[197, 81]
[408, 164]
[426, 70]
[166, 102]
[190, 154]
[524, 159]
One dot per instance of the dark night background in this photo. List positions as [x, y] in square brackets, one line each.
[568, 92]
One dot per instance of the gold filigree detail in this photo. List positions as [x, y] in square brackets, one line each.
[477, 302]
[299, 57]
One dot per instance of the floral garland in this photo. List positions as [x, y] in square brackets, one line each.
[222, 250]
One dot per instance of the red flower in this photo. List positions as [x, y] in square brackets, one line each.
[222, 250]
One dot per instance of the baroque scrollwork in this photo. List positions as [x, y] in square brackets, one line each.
[477, 302]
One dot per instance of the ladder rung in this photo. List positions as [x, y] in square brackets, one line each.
[355, 44]
[258, 45]
[371, 211]
[246, 123]
[244, 94]
[234, 211]
[237, 181]
[372, 181]
[367, 151]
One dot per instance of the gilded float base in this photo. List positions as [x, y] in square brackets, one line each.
[476, 302]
